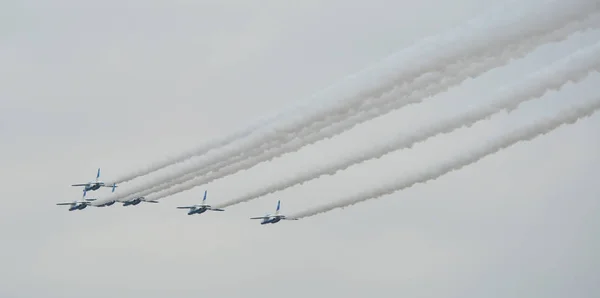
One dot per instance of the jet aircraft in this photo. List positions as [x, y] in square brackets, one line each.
[201, 208]
[78, 204]
[137, 200]
[94, 185]
[272, 219]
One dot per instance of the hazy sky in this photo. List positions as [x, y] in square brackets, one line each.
[118, 84]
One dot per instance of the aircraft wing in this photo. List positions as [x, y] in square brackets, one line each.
[217, 209]
[63, 204]
[262, 217]
[185, 207]
[79, 184]
[150, 201]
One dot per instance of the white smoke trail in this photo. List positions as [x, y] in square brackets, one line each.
[415, 97]
[197, 151]
[572, 68]
[387, 104]
[446, 49]
[523, 134]
[160, 184]
[165, 182]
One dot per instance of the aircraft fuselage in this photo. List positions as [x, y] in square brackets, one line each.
[107, 204]
[93, 186]
[197, 211]
[78, 207]
[270, 221]
[132, 202]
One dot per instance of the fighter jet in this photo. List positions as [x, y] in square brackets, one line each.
[137, 200]
[272, 219]
[199, 209]
[78, 204]
[94, 185]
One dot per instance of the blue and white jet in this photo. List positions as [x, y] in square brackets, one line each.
[94, 185]
[78, 204]
[272, 219]
[201, 208]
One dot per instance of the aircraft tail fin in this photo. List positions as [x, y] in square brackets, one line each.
[204, 199]
[98, 175]
[278, 206]
[113, 187]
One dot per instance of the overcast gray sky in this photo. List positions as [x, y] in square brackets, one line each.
[117, 84]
